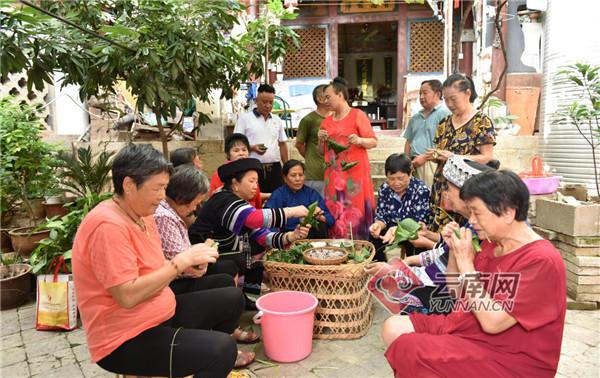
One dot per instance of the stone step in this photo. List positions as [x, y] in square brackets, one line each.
[377, 181]
[377, 167]
[385, 141]
[385, 147]
[380, 154]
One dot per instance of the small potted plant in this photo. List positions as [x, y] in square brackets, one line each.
[579, 218]
[26, 167]
[61, 234]
[15, 281]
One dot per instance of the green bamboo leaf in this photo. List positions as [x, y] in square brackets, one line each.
[119, 30]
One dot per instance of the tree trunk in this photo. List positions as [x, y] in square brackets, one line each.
[27, 204]
[161, 130]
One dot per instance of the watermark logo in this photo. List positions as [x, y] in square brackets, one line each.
[501, 286]
[404, 286]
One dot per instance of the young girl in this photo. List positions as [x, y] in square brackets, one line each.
[237, 147]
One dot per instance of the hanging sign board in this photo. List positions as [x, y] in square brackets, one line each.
[362, 6]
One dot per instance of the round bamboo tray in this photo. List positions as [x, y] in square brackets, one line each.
[334, 261]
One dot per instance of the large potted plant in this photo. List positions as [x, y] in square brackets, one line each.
[81, 171]
[26, 167]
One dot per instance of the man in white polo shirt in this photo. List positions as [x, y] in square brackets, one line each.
[267, 138]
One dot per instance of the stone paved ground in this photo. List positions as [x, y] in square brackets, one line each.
[30, 353]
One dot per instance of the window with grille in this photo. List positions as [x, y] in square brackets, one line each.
[310, 59]
[426, 46]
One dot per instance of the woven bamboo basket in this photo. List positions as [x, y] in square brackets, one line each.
[345, 308]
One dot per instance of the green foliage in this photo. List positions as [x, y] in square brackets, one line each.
[495, 103]
[294, 255]
[15, 259]
[62, 233]
[584, 113]
[84, 172]
[359, 256]
[174, 50]
[266, 31]
[27, 167]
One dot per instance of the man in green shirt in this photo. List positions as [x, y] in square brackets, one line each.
[307, 142]
[422, 127]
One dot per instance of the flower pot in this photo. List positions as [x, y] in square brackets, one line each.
[15, 285]
[55, 209]
[5, 244]
[24, 241]
[54, 200]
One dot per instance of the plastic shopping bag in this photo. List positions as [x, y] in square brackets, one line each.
[56, 305]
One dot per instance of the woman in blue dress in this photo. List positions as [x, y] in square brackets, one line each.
[295, 193]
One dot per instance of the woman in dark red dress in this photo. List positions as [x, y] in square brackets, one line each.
[509, 315]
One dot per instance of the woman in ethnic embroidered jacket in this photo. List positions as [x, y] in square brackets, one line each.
[230, 220]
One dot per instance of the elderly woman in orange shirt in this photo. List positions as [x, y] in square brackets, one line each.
[134, 323]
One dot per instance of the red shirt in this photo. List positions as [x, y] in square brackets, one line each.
[530, 348]
[216, 184]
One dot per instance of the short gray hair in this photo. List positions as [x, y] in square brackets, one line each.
[186, 184]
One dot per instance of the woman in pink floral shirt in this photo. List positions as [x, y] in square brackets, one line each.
[186, 190]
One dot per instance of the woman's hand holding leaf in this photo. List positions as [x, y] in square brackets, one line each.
[301, 232]
[320, 215]
[449, 230]
[376, 228]
[389, 235]
[460, 243]
[296, 211]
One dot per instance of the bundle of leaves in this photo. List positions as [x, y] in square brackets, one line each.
[336, 147]
[310, 217]
[346, 165]
[406, 229]
[293, 255]
[358, 256]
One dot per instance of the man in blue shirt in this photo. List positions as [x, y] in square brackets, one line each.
[422, 127]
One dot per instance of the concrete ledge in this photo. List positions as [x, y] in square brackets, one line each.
[573, 304]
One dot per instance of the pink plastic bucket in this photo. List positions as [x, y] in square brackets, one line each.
[287, 319]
